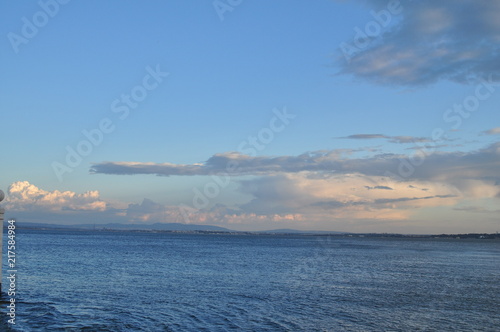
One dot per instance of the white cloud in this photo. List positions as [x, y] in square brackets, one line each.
[23, 196]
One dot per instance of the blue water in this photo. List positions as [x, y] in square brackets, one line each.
[118, 281]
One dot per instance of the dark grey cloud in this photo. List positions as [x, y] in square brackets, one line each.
[429, 41]
[379, 187]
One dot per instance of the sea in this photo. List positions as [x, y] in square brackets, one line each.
[144, 281]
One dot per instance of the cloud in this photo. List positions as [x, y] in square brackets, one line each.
[365, 136]
[407, 199]
[379, 187]
[236, 218]
[233, 163]
[433, 146]
[29, 203]
[430, 41]
[456, 167]
[130, 168]
[303, 200]
[23, 196]
[147, 211]
[35, 204]
[493, 131]
[328, 185]
[391, 139]
[476, 209]
[341, 199]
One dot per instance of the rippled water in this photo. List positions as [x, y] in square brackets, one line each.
[107, 281]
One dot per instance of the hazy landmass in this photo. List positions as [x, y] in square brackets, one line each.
[210, 229]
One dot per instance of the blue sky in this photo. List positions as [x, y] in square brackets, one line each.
[343, 95]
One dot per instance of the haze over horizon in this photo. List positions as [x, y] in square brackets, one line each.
[361, 116]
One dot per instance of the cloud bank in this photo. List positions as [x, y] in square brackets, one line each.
[331, 186]
[454, 167]
[327, 189]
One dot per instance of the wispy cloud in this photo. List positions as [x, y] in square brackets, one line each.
[435, 40]
[407, 199]
[433, 146]
[365, 136]
[391, 139]
[379, 187]
[476, 209]
[493, 131]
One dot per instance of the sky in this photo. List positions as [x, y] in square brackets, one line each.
[355, 116]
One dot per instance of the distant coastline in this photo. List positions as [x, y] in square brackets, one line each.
[208, 229]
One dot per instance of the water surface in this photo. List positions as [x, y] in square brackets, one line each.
[123, 281]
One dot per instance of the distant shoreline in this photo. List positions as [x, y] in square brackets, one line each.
[103, 228]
